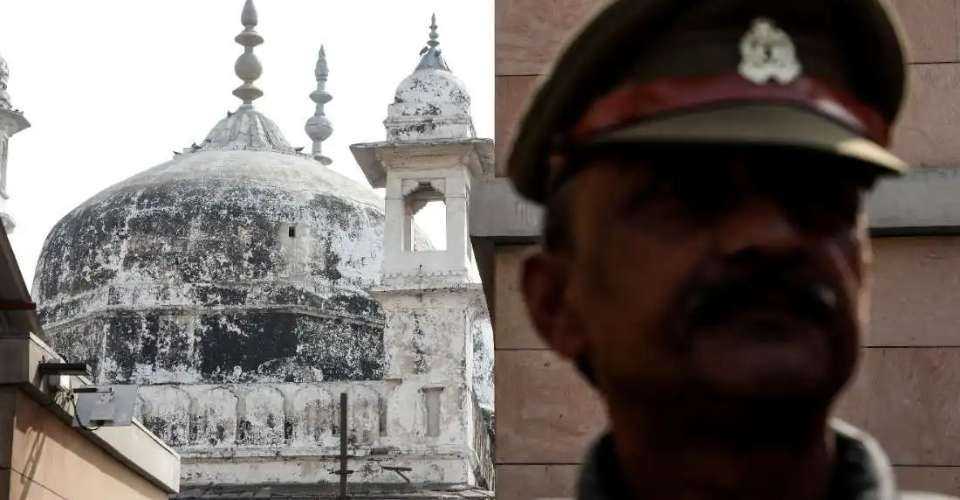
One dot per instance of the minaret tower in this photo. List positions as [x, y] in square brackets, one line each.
[11, 122]
[437, 338]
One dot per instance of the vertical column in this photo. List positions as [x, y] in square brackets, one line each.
[458, 239]
[3, 164]
[5, 220]
[394, 238]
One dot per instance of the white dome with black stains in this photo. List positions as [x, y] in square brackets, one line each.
[218, 266]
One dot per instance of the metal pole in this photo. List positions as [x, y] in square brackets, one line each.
[343, 446]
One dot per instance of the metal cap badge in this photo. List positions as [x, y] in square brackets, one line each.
[768, 54]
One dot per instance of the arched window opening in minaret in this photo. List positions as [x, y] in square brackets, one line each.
[426, 214]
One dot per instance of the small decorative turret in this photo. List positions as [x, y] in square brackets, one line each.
[11, 122]
[318, 126]
[432, 103]
[248, 67]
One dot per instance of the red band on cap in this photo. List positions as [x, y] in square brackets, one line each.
[633, 103]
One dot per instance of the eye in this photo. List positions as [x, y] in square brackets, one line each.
[677, 199]
[826, 208]
[820, 196]
[660, 187]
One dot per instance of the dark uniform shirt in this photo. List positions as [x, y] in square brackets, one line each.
[862, 471]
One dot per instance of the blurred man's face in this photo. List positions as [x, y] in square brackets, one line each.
[727, 276]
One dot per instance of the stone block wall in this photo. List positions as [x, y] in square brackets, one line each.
[906, 392]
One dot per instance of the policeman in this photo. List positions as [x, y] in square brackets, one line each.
[703, 165]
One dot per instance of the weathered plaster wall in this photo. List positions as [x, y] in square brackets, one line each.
[430, 104]
[437, 341]
[438, 336]
[289, 432]
[225, 419]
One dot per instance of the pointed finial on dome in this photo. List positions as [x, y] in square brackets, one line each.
[248, 67]
[432, 58]
[434, 36]
[322, 71]
[318, 126]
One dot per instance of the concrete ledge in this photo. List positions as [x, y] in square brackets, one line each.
[143, 452]
[499, 213]
[924, 202]
[499, 216]
[375, 158]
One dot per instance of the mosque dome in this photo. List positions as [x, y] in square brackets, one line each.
[239, 261]
[432, 103]
[185, 272]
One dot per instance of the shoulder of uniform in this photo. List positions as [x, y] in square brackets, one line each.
[914, 495]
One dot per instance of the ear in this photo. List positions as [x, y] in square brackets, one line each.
[546, 281]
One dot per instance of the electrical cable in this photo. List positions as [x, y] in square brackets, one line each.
[76, 414]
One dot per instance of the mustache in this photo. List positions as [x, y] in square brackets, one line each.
[818, 299]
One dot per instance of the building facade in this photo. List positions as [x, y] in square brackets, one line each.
[906, 392]
[245, 286]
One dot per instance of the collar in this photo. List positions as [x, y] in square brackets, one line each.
[862, 471]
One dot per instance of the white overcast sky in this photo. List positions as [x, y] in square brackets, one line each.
[113, 87]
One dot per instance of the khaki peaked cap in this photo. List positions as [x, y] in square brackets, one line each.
[826, 76]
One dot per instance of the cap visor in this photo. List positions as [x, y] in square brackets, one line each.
[758, 124]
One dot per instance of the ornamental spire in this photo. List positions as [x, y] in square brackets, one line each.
[248, 67]
[434, 36]
[318, 126]
[432, 58]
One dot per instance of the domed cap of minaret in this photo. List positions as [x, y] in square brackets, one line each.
[432, 103]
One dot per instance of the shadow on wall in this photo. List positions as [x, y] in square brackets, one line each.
[39, 439]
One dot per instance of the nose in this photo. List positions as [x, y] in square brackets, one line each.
[758, 225]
